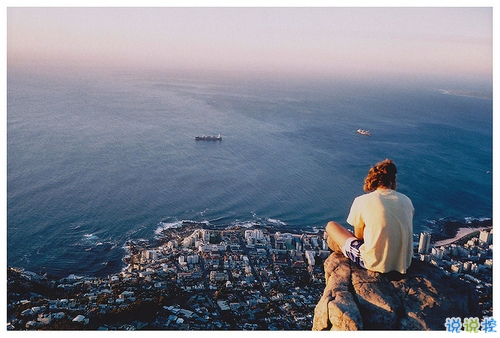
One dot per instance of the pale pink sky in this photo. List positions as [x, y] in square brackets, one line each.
[297, 41]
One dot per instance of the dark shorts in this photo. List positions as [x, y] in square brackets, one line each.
[351, 251]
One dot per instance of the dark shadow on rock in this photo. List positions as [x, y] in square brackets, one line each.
[421, 299]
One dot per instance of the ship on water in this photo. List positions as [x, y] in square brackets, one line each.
[208, 138]
[364, 132]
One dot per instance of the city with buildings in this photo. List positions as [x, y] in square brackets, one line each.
[200, 278]
[470, 258]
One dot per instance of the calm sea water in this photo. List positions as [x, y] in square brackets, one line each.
[93, 163]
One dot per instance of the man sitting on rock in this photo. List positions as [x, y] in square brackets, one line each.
[383, 224]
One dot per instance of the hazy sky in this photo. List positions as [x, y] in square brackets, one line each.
[330, 41]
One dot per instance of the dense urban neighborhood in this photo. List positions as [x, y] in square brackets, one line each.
[196, 277]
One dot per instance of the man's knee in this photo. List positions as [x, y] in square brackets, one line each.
[332, 226]
[334, 231]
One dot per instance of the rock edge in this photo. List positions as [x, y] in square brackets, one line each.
[421, 299]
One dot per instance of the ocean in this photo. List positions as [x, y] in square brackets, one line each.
[95, 161]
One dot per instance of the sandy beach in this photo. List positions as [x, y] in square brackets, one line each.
[462, 232]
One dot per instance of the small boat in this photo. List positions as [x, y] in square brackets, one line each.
[208, 138]
[364, 132]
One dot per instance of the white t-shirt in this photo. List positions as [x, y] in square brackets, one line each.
[386, 217]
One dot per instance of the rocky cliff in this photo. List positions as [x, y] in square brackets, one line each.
[422, 299]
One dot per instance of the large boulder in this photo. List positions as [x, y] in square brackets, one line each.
[421, 299]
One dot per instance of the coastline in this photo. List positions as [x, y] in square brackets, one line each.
[183, 263]
[461, 233]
